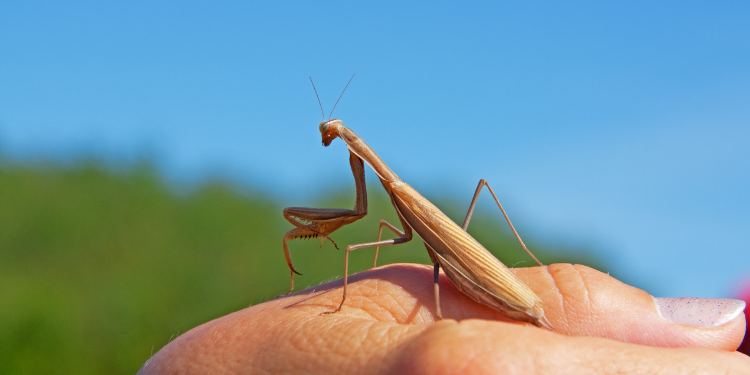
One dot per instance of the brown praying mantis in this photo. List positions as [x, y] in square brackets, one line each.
[471, 267]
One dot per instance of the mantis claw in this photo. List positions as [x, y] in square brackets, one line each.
[329, 239]
[330, 312]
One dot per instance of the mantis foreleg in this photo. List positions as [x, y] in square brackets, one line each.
[320, 222]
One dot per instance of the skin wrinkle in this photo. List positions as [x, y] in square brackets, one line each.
[329, 336]
[373, 313]
[354, 286]
[594, 305]
[592, 300]
[302, 344]
[587, 294]
[556, 292]
[590, 303]
[366, 334]
[376, 298]
[389, 301]
[375, 301]
[360, 351]
[401, 308]
[705, 335]
[370, 299]
[333, 342]
[568, 296]
[396, 288]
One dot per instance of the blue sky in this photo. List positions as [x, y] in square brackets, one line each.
[623, 128]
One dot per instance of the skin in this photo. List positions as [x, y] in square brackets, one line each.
[387, 326]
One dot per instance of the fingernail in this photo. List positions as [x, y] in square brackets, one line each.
[699, 312]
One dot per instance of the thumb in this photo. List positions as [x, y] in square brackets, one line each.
[581, 301]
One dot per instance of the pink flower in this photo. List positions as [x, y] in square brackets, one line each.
[744, 294]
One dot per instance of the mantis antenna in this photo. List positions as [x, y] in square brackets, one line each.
[316, 95]
[337, 100]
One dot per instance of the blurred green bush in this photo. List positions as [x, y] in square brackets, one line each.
[101, 268]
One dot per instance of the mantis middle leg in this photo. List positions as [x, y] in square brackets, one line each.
[403, 237]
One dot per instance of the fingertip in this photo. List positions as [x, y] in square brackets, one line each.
[581, 301]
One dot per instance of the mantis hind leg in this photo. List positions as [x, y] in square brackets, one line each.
[483, 183]
[436, 289]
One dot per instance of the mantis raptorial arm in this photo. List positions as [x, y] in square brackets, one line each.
[321, 222]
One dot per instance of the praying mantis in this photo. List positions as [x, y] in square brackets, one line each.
[471, 267]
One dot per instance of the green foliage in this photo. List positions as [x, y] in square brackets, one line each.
[98, 269]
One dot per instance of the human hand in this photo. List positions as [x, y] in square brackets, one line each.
[387, 326]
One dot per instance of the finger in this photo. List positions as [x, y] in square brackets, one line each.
[486, 347]
[385, 328]
[271, 338]
[581, 301]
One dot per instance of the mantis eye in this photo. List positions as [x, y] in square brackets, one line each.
[323, 126]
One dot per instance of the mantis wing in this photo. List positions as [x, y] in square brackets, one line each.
[471, 267]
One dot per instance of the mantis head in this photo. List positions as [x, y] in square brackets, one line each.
[330, 130]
